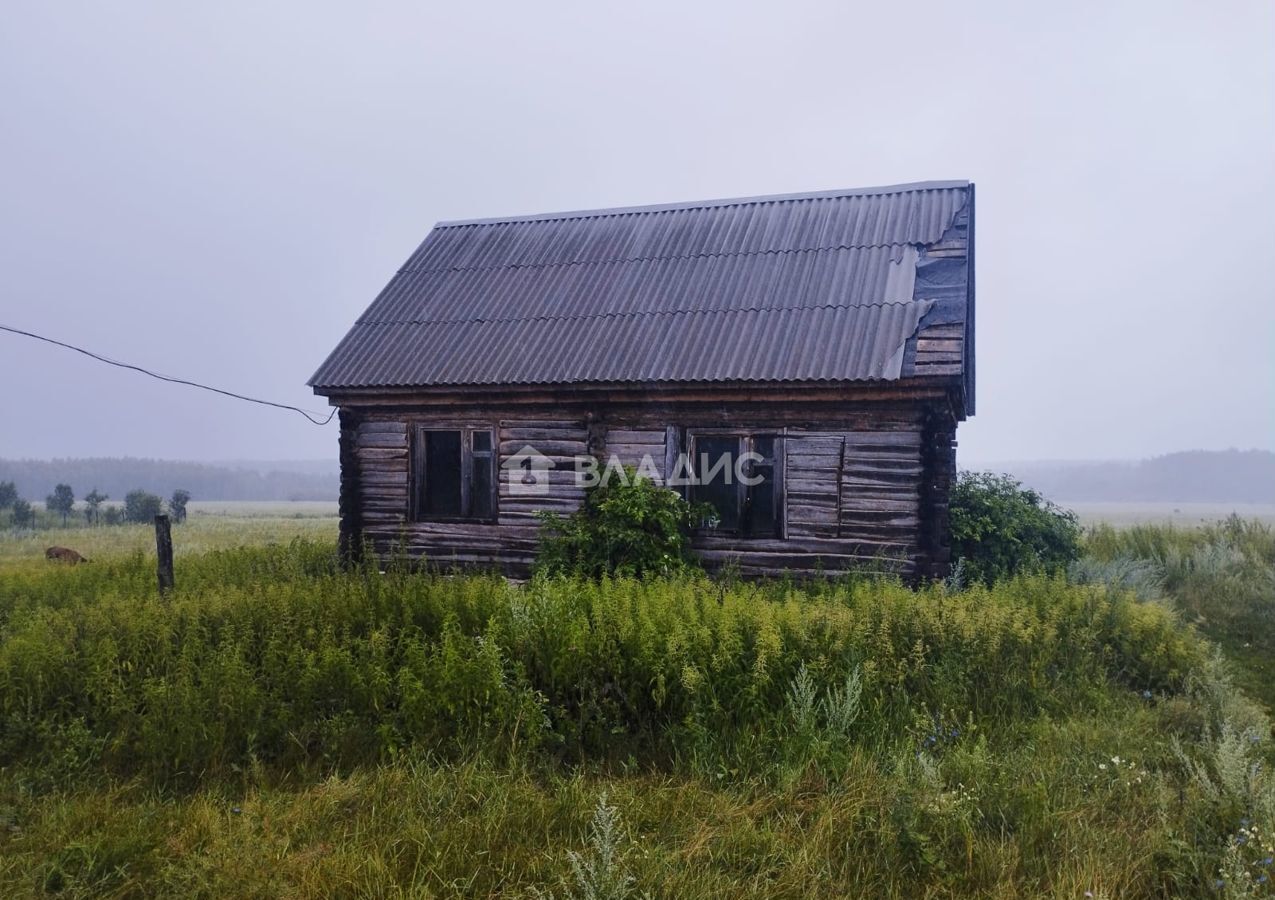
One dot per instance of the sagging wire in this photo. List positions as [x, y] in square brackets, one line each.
[312, 417]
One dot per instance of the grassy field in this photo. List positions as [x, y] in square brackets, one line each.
[279, 727]
[1182, 515]
[1221, 578]
[209, 526]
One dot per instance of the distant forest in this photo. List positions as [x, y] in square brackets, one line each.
[278, 480]
[1197, 476]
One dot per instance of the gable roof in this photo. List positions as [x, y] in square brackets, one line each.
[798, 287]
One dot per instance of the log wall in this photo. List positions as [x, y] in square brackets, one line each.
[855, 480]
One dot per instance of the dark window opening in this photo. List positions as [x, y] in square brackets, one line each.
[455, 474]
[740, 476]
[714, 465]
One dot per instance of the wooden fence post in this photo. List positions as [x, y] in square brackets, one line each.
[164, 552]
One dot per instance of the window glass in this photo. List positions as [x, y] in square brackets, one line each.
[715, 470]
[442, 474]
[751, 510]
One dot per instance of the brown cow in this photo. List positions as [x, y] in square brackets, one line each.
[64, 554]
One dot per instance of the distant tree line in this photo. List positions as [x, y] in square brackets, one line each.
[1197, 476]
[140, 506]
[299, 480]
[21, 513]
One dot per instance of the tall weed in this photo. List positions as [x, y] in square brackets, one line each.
[276, 655]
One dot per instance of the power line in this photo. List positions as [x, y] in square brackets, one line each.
[313, 417]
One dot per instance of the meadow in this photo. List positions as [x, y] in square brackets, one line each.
[1181, 514]
[210, 525]
[281, 727]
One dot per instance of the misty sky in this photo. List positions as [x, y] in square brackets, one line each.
[218, 190]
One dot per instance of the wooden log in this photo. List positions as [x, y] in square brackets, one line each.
[564, 449]
[381, 453]
[398, 441]
[551, 477]
[635, 436]
[521, 430]
[384, 477]
[637, 451]
[541, 423]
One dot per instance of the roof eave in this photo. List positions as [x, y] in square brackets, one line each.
[357, 395]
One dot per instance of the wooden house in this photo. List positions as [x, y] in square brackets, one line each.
[828, 337]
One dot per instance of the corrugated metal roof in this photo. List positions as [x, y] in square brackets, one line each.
[789, 288]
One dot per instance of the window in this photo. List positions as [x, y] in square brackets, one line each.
[740, 476]
[454, 474]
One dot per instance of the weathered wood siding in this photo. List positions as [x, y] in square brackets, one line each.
[852, 500]
[383, 452]
[855, 488]
[634, 446]
[939, 349]
[562, 441]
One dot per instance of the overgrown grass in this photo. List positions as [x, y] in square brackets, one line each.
[272, 654]
[279, 727]
[1222, 578]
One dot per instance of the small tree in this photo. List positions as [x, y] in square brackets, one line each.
[142, 506]
[1000, 528]
[23, 513]
[8, 494]
[177, 505]
[93, 501]
[113, 515]
[61, 501]
[626, 526]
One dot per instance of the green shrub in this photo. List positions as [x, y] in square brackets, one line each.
[61, 502]
[8, 494]
[23, 513]
[1001, 529]
[142, 506]
[626, 526]
[177, 505]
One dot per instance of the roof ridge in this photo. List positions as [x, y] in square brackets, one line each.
[644, 259]
[636, 314]
[909, 187]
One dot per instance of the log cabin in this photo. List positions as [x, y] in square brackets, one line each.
[823, 341]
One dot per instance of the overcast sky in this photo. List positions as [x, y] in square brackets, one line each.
[218, 190]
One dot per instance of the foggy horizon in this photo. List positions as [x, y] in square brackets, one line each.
[218, 193]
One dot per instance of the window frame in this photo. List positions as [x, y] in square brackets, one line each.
[745, 443]
[468, 455]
